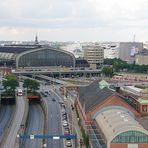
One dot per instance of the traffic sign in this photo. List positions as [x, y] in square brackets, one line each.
[72, 136]
[31, 136]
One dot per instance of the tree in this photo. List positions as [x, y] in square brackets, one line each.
[11, 77]
[31, 85]
[108, 71]
[119, 65]
[11, 82]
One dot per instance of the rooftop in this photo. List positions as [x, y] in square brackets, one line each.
[116, 121]
[93, 95]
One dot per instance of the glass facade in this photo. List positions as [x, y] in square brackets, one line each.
[131, 137]
[46, 57]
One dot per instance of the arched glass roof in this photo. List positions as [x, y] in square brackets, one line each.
[114, 122]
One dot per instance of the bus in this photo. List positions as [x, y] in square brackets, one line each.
[20, 92]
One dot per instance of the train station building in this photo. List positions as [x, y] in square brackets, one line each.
[21, 56]
[107, 112]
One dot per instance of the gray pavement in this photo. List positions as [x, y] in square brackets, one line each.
[6, 112]
[73, 118]
[20, 108]
[54, 122]
[35, 125]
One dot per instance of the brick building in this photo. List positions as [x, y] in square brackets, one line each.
[93, 101]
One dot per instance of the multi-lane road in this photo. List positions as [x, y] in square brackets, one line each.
[6, 112]
[15, 126]
[54, 122]
[35, 125]
[35, 122]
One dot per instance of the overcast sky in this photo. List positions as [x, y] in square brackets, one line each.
[74, 20]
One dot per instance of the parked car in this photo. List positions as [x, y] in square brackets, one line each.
[65, 123]
[68, 143]
[64, 117]
[53, 99]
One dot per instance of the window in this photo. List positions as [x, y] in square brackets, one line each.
[131, 137]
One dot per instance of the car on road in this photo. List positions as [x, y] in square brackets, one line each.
[64, 117]
[53, 99]
[67, 131]
[65, 123]
[68, 143]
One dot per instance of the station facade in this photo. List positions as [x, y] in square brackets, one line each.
[45, 57]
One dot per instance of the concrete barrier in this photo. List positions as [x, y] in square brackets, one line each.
[23, 123]
[44, 106]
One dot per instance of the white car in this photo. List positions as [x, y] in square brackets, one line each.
[65, 123]
[68, 143]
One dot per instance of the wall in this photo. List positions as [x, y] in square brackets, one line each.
[125, 145]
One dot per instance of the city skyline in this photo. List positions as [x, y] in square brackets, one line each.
[74, 20]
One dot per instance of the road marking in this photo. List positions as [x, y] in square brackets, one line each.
[56, 137]
[31, 136]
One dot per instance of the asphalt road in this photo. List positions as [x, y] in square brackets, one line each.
[10, 140]
[6, 112]
[35, 125]
[54, 122]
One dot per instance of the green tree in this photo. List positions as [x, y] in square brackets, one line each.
[108, 71]
[31, 85]
[11, 82]
[119, 65]
[11, 77]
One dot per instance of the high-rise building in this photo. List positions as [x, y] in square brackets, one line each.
[111, 50]
[128, 50]
[94, 54]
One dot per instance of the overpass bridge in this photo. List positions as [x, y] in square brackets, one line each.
[52, 79]
[61, 72]
[45, 78]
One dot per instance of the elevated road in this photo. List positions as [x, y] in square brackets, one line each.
[16, 122]
[55, 72]
[52, 79]
[35, 125]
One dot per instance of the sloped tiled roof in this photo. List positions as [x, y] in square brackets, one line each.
[92, 95]
[98, 98]
[88, 91]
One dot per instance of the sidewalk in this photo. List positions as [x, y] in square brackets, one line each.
[74, 122]
[77, 128]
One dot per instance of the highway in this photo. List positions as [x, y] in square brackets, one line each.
[6, 112]
[35, 125]
[16, 122]
[54, 122]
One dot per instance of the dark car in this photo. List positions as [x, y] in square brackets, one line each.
[53, 99]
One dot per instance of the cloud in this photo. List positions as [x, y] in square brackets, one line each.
[73, 19]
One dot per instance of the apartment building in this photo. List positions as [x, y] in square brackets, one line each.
[94, 54]
[128, 50]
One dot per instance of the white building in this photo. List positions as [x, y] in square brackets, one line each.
[75, 48]
[111, 50]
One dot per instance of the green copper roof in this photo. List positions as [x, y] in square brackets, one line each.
[103, 84]
[142, 101]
